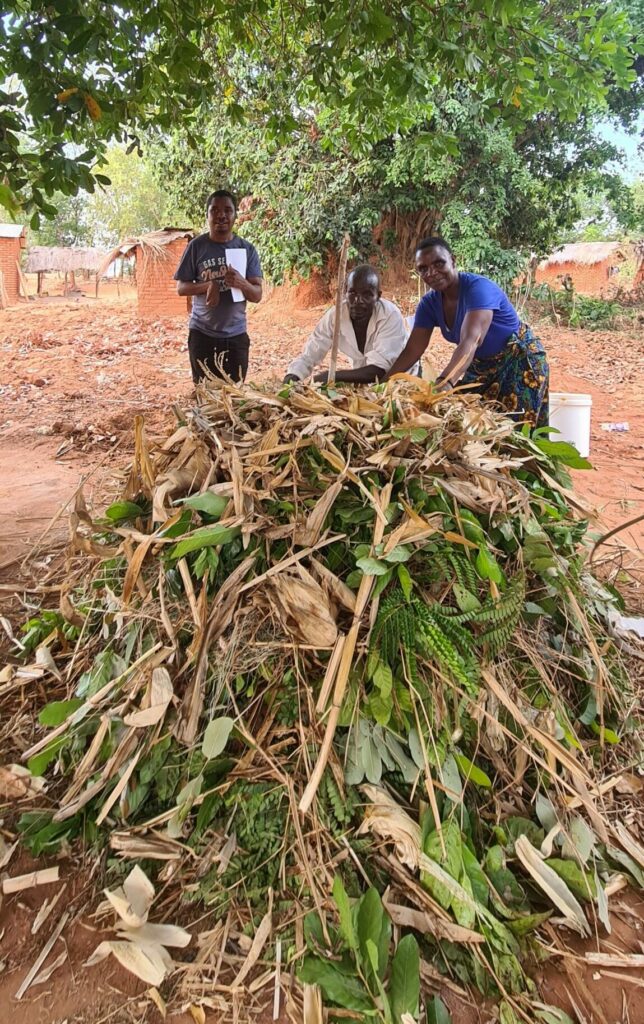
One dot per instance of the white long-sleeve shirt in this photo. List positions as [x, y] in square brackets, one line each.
[386, 338]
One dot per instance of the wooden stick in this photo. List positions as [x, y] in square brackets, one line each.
[23, 281]
[46, 950]
[20, 882]
[342, 270]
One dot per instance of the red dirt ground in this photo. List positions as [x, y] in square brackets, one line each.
[75, 372]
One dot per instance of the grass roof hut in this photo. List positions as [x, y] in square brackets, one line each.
[157, 256]
[44, 259]
[591, 267]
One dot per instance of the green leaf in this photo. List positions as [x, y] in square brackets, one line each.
[216, 737]
[347, 929]
[206, 536]
[39, 763]
[552, 1015]
[58, 711]
[609, 735]
[211, 504]
[372, 567]
[119, 511]
[471, 773]
[344, 991]
[372, 923]
[383, 679]
[399, 554]
[487, 566]
[405, 580]
[563, 452]
[581, 883]
[437, 1012]
[527, 923]
[404, 983]
[465, 599]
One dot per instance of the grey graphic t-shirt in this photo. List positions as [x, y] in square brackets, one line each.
[205, 260]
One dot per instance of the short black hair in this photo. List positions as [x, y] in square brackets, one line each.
[432, 243]
[220, 193]
[364, 271]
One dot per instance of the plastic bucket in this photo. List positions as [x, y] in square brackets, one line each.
[570, 414]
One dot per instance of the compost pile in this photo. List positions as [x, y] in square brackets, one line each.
[334, 669]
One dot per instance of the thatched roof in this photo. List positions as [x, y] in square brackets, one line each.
[150, 243]
[585, 253]
[43, 257]
[12, 230]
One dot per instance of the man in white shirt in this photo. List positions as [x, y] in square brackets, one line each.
[372, 334]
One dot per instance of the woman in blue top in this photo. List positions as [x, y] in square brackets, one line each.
[494, 350]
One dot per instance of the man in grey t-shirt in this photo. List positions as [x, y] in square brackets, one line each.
[220, 271]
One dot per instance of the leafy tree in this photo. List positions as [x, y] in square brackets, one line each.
[133, 203]
[70, 225]
[89, 73]
[497, 196]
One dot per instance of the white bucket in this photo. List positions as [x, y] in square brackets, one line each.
[570, 414]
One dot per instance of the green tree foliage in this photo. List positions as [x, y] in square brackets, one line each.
[88, 73]
[497, 196]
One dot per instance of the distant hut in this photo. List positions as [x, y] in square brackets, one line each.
[13, 239]
[44, 259]
[592, 268]
[157, 256]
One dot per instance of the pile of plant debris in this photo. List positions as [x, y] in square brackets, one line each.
[335, 668]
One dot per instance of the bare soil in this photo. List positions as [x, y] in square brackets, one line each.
[75, 373]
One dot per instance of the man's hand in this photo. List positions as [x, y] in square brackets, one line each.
[290, 378]
[233, 278]
[212, 295]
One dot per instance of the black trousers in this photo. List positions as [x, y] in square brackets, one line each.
[217, 354]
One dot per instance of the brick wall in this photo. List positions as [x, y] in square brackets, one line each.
[9, 253]
[157, 291]
[589, 280]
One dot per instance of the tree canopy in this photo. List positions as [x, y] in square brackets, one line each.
[85, 74]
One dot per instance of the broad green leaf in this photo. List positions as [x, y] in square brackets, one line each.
[437, 1012]
[58, 711]
[581, 883]
[451, 778]
[399, 554]
[471, 773]
[527, 923]
[371, 922]
[370, 760]
[372, 566]
[39, 763]
[383, 679]
[507, 1014]
[205, 536]
[122, 510]
[405, 580]
[216, 737]
[552, 1015]
[476, 875]
[338, 988]
[347, 929]
[487, 565]
[381, 708]
[404, 982]
[211, 504]
[465, 599]
[563, 452]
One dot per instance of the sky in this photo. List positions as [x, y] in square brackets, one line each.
[633, 146]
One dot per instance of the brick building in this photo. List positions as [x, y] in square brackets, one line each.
[157, 256]
[13, 238]
[594, 268]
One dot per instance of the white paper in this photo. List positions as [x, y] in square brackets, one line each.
[237, 258]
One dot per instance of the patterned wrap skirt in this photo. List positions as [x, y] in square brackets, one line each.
[516, 379]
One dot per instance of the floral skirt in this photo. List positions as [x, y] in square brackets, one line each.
[516, 379]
